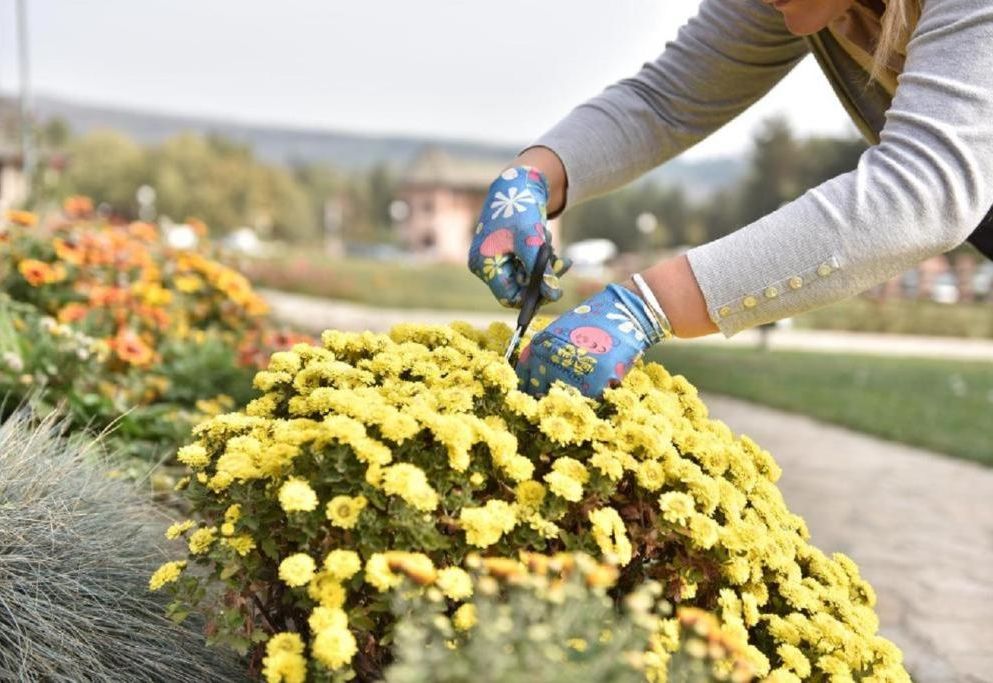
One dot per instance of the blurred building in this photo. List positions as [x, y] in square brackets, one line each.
[438, 202]
[946, 278]
[13, 184]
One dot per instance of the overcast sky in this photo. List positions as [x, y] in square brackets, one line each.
[490, 71]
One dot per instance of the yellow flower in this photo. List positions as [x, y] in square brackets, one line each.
[484, 526]
[704, 531]
[676, 507]
[530, 495]
[297, 569]
[465, 617]
[411, 484]
[378, 574]
[233, 513]
[178, 529]
[651, 475]
[344, 511]
[342, 564]
[201, 540]
[295, 495]
[610, 534]
[564, 486]
[167, 573]
[455, 583]
[193, 456]
[241, 544]
[326, 590]
[794, 660]
[327, 617]
[284, 661]
[571, 468]
[188, 283]
[577, 644]
[334, 647]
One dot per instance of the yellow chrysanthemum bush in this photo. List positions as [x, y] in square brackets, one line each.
[375, 457]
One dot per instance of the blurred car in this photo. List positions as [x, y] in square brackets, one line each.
[945, 289]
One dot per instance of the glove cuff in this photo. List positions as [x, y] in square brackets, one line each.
[525, 177]
[639, 313]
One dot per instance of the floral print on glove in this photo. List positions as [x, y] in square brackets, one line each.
[592, 346]
[511, 229]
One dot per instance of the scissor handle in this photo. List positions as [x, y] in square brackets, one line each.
[532, 295]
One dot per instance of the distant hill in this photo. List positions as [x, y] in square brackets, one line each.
[293, 145]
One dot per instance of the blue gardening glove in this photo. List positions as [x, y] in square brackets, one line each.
[511, 229]
[592, 346]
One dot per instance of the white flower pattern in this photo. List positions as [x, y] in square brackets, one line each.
[629, 322]
[514, 200]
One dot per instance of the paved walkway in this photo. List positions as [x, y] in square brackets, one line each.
[315, 314]
[919, 525]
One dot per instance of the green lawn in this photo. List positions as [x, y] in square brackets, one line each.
[861, 314]
[942, 405]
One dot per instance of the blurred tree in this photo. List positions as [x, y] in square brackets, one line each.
[55, 133]
[220, 182]
[776, 173]
[106, 166]
[827, 157]
[617, 217]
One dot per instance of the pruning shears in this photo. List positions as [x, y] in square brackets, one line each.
[531, 300]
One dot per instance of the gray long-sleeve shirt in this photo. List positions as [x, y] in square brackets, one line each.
[921, 191]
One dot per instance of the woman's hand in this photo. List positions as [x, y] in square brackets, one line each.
[592, 346]
[511, 229]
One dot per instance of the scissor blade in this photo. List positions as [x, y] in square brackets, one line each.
[514, 341]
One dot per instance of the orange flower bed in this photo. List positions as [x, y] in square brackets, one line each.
[109, 318]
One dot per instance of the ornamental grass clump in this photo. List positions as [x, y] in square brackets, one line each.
[75, 554]
[375, 457]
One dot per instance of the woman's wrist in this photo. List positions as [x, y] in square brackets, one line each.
[675, 288]
[548, 162]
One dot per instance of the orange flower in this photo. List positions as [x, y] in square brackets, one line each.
[69, 251]
[256, 306]
[101, 296]
[23, 218]
[131, 348]
[71, 313]
[39, 273]
[143, 231]
[77, 206]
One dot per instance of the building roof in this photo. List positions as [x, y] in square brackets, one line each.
[436, 167]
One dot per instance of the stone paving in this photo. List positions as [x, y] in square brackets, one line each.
[919, 525]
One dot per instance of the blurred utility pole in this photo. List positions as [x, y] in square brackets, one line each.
[27, 142]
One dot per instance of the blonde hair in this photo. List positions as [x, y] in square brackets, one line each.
[898, 23]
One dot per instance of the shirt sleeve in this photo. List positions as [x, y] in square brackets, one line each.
[722, 61]
[919, 192]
